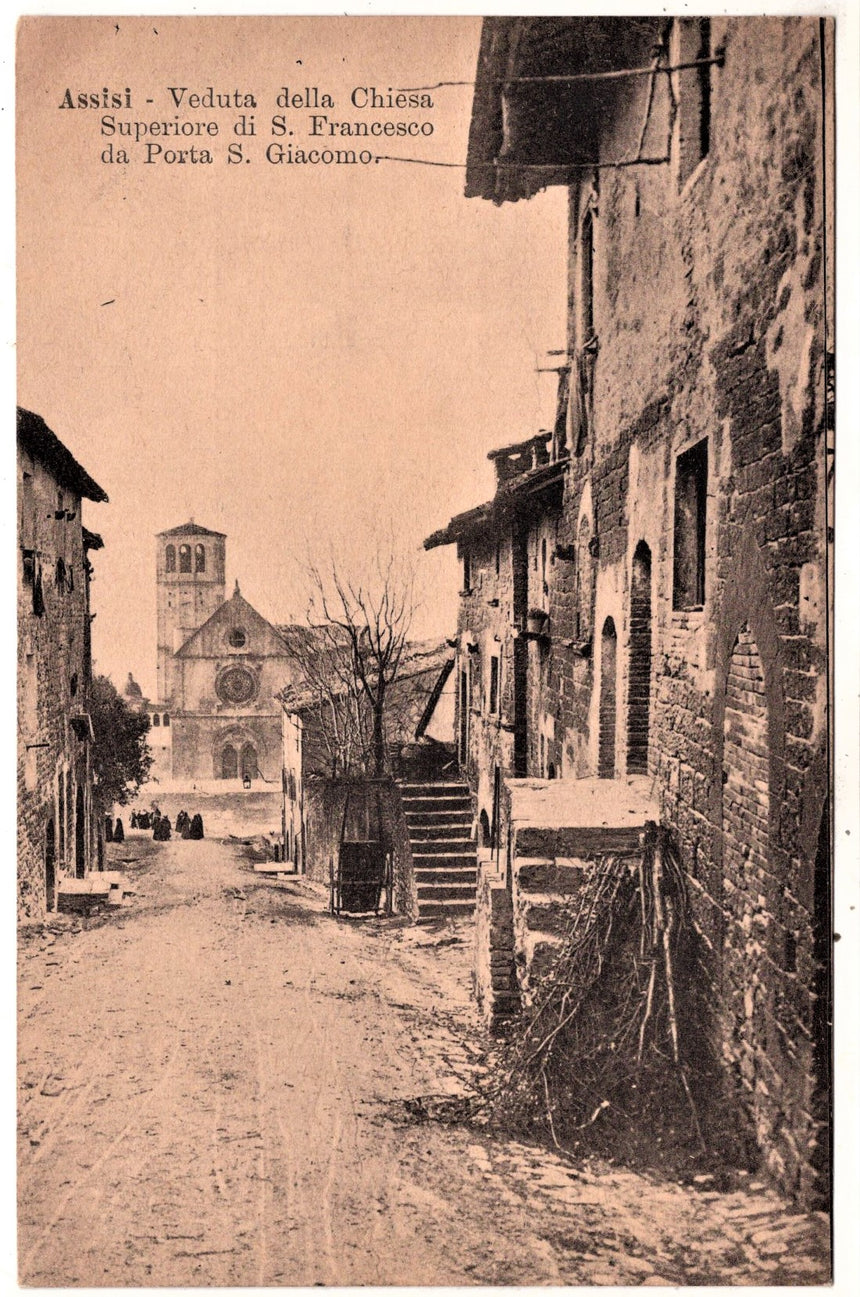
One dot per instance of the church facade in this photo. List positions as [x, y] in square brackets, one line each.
[220, 666]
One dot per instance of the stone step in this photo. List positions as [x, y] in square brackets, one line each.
[445, 910]
[424, 790]
[457, 846]
[443, 859]
[446, 892]
[436, 806]
[431, 818]
[455, 875]
[461, 830]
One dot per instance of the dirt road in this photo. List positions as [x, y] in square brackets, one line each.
[206, 1085]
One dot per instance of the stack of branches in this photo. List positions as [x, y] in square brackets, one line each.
[612, 1056]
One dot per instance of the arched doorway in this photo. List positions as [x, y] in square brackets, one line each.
[606, 718]
[486, 834]
[50, 866]
[639, 678]
[250, 769]
[80, 835]
[745, 832]
[229, 762]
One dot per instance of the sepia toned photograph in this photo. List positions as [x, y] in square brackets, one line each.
[425, 569]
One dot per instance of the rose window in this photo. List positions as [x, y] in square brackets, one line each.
[236, 685]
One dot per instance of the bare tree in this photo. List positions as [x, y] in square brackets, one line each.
[326, 692]
[365, 622]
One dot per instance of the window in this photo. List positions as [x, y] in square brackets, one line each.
[237, 637]
[691, 493]
[467, 571]
[693, 42]
[184, 558]
[166, 719]
[156, 720]
[199, 558]
[27, 511]
[493, 698]
[170, 558]
[586, 277]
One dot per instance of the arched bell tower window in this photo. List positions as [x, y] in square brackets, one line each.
[199, 558]
[184, 558]
[170, 558]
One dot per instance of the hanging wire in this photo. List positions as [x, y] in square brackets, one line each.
[612, 75]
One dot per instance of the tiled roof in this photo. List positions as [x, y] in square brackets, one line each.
[191, 529]
[39, 441]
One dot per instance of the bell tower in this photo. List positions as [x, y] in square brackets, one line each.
[189, 568]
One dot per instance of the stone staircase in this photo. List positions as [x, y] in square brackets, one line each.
[439, 821]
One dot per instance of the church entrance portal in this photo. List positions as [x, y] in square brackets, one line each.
[229, 763]
[249, 761]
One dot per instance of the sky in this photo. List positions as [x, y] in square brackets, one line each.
[302, 357]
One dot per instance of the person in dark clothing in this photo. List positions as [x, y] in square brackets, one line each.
[181, 821]
[161, 831]
[196, 829]
[119, 831]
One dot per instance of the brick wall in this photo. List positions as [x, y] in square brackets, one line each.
[710, 328]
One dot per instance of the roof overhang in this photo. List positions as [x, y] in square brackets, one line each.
[542, 486]
[529, 130]
[38, 440]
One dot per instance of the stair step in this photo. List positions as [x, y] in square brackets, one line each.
[434, 806]
[429, 818]
[430, 877]
[426, 789]
[445, 910]
[443, 859]
[446, 892]
[440, 832]
[442, 846]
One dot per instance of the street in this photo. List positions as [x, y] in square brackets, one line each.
[211, 1085]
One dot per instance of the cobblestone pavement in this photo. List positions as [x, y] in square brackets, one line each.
[213, 1086]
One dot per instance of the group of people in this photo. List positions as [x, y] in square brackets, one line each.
[187, 826]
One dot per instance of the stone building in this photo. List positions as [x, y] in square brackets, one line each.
[220, 667]
[645, 610]
[58, 831]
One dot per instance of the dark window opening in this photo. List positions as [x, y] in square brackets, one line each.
[586, 279]
[486, 834]
[199, 558]
[467, 571]
[691, 492]
[156, 720]
[166, 719]
[184, 558]
[170, 558]
[494, 685]
[237, 637]
[73, 684]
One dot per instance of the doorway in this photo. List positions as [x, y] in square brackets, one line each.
[606, 713]
[50, 867]
[639, 681]
[80, 835]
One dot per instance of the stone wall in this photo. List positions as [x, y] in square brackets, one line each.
[710, 349]
[56, 823]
